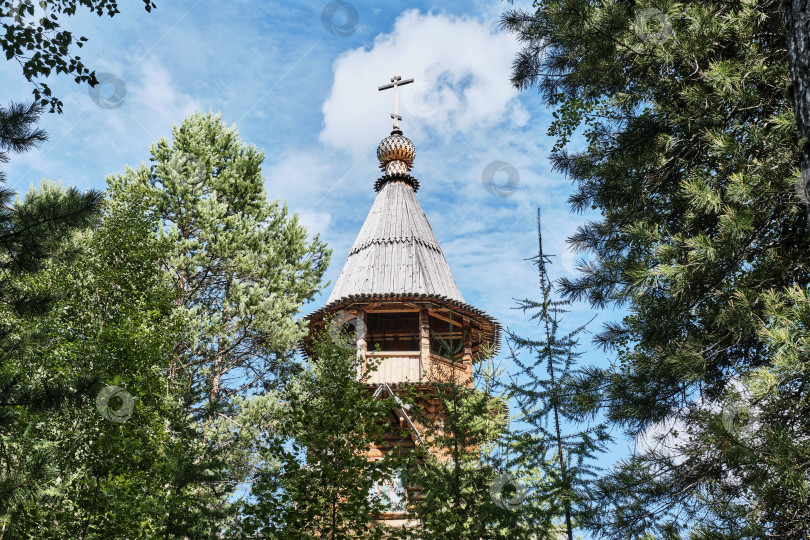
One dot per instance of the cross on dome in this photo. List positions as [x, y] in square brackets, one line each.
[396, 82]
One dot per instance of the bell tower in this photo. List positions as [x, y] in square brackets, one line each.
[397, 291]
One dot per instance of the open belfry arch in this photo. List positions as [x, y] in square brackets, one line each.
[398, 297]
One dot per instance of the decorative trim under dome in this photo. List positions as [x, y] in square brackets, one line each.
[407, 178]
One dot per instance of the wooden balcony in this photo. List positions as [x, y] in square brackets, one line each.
[396, 367]
[401, 341]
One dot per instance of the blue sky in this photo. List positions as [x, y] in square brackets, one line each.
[306, 93]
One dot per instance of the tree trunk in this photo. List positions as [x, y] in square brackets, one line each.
[796, 15]
[569, 529]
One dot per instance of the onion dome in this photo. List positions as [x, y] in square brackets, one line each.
[396, 154]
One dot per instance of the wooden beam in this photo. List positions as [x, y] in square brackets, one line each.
[388, 308]
[424, 345]
[421, 305]
[467, 349]
[445, 319]
[361, 339]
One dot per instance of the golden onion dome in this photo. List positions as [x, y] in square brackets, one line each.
[396, 148]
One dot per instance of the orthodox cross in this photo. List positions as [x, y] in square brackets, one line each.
[396, 82]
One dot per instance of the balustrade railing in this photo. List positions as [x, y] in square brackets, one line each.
[395, 367]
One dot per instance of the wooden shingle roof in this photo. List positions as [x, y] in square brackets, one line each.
[396, 252]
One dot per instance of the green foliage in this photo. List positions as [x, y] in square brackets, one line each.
[454, 473]
[241, 266]
[32, 234]
[110, 324]
[30, 231]
[18, 133]
[319, 482]
[690, 155]
[183, 294]
[33, 37]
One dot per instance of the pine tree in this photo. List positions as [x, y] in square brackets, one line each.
[32, 230]
[241, 268]
[690, 155]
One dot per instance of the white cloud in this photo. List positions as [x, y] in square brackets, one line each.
[462, 84]
[315, 222]
[156, 100]
[299, 178]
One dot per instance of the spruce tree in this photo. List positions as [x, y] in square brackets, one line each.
[457, 486]
[552, 443]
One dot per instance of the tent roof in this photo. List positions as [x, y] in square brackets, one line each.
[396, 252]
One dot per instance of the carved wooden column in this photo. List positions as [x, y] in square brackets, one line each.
[360, 329]
[424, 345]
[466, 357]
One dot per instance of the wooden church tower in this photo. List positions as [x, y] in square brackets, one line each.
[397, 291]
